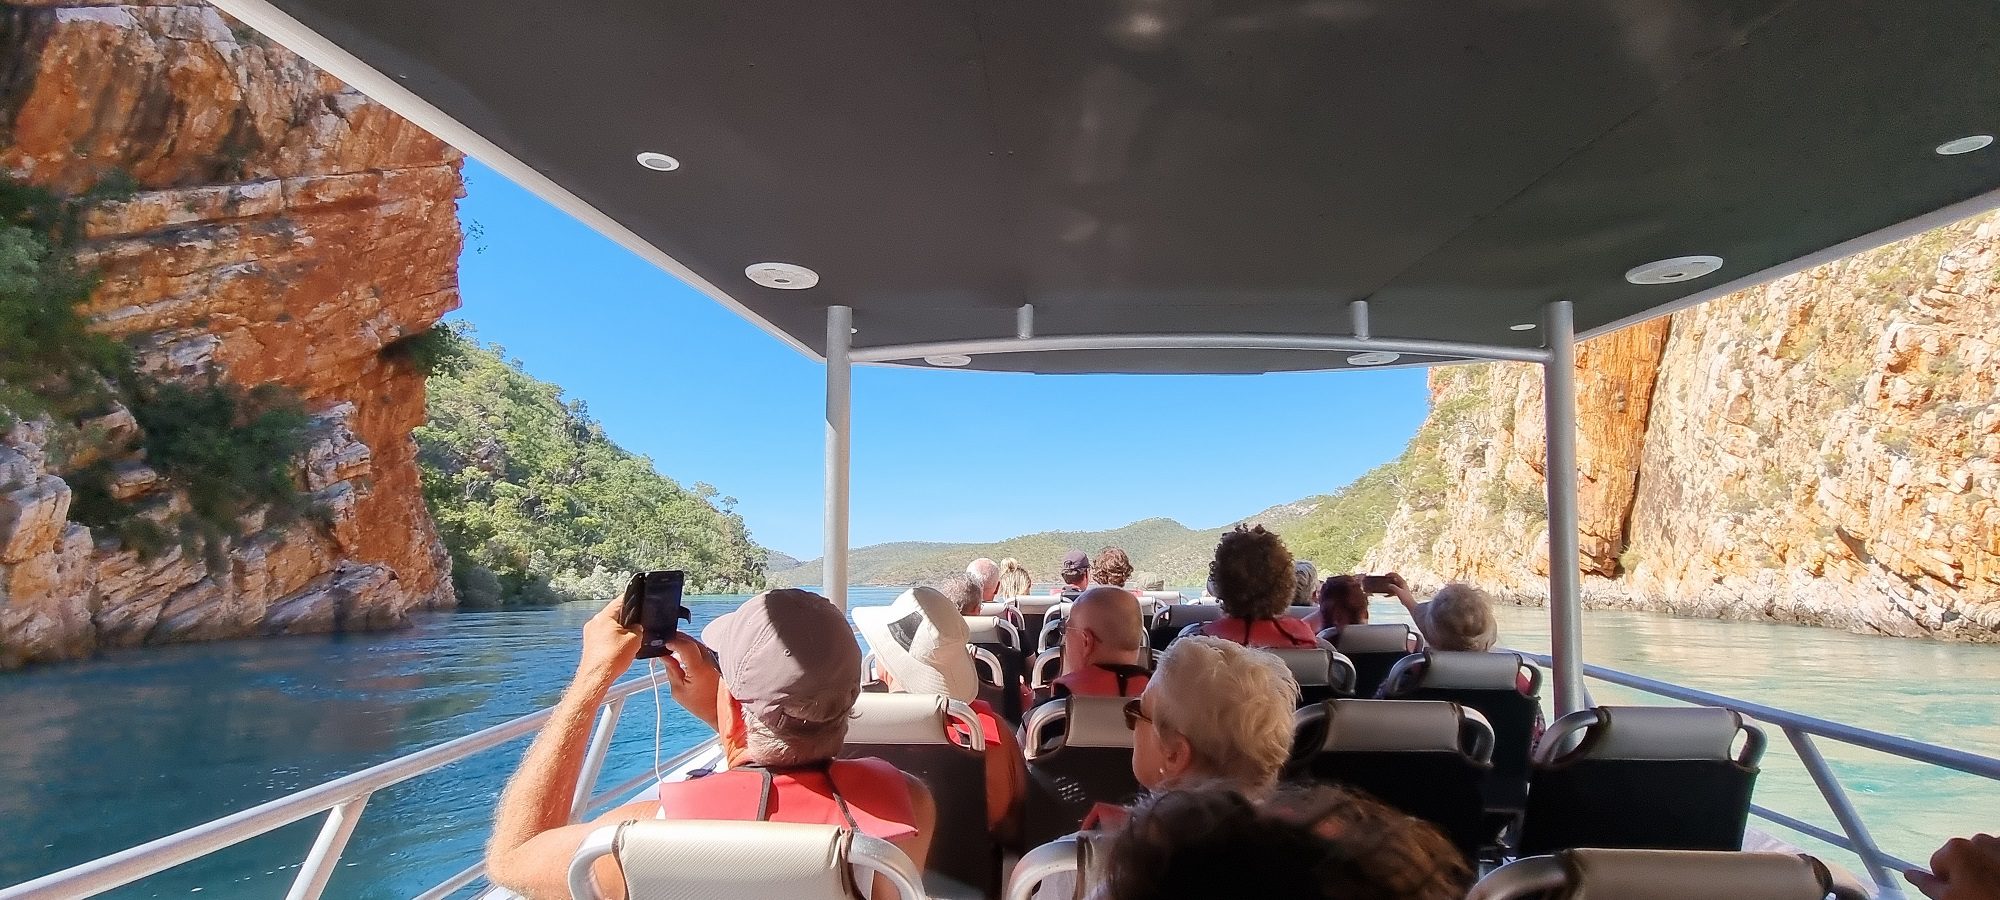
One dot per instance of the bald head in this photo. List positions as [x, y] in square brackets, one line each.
[1112, 614]
[987, 573]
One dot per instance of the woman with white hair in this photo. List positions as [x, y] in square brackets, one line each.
[1215, 713]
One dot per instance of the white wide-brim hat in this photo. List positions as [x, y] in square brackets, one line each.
[921, 639]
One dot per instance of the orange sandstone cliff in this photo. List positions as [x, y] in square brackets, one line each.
[285, 230]
[1821, 450]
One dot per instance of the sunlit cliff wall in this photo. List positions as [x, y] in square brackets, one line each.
[285, 230]
[1821, 450]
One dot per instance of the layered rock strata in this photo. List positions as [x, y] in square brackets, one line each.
[285, 229]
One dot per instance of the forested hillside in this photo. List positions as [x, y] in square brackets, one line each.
[536, 504]
[1332, 530]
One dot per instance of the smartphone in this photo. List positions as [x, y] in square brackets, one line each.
[1377, 584]
[653, 605]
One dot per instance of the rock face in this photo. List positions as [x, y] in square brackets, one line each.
[1821, 450]
[285, 229]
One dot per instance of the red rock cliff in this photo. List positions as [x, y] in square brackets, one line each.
[1822, 450]
[286, 229]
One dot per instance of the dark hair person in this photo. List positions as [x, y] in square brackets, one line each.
[1342, 601]
[1301, 844]
[1253, 577]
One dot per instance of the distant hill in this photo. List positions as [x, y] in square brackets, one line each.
[1340, 526]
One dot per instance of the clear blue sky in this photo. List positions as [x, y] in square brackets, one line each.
[711, 398]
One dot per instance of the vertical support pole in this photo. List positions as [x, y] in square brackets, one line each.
[1357, 315]
[1843, 810]
[839, 419]
[593, 758]
[326, 850]
[1559, 420]
[1024, 321]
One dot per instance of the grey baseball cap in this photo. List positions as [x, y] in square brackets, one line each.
[789, 657]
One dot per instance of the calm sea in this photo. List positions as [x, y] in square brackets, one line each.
[101, 755]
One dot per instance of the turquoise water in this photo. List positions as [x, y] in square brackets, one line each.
[99, 756]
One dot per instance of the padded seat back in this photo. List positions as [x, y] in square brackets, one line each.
[1034, 610]
[1322, 673]
[1001, 686]
[1169, 621]
[1060, 858]
[681, 859]
[1642, 777]
[1665, 875]
[913, 732]
[1375, 649]
[1424, 757]
[1051, 632]
[1300, 612]
[1079, 753]
[1490, 683]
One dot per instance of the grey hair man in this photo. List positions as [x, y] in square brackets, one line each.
[987, 573]
[964, 591]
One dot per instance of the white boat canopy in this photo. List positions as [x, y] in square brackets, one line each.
[1206, 187]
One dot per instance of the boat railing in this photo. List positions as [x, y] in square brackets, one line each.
[1802, 731]
[343, 800]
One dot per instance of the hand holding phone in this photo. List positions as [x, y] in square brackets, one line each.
[1377, 584]
[653, 605]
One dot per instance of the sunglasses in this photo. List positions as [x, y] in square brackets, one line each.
[1134, 715]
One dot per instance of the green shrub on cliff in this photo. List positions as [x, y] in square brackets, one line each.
[536, 504]
[1349, 522]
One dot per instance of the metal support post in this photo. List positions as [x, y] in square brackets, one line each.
[1565, 594]
[839, 442]
[593, 758]
[1843, 810]
[326, 850]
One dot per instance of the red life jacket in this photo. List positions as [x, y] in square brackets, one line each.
[1279, 633]
[868, 795]
[989, 722]
[1101, 680]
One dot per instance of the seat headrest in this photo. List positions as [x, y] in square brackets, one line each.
[993, 609]
[988, 630]
[1161, 596]
[1311, 666]
[1385, 638]
[1190, 613]
[1471, 671]
[1389, 725]
[728, 860]
[898, 719]
[1660, 733]
[1036, 605]
[1096, 722]
[1300, 612]
[1664, 874]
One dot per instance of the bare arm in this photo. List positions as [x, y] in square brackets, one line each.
[1401, 590]
[532, 838]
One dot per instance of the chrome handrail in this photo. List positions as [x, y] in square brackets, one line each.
[1799, 730]
[345, 797]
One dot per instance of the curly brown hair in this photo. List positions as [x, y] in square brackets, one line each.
[1111, 567]
[1343, 601]
[1252, 573]
[1310, 842]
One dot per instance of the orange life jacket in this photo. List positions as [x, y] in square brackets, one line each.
[868, 795]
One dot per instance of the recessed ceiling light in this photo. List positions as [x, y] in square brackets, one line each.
[1524, 326]
[1668, 271]
[782, 276]
[1373, 358]
[658, 162]
[949, 360]
[1965, 144]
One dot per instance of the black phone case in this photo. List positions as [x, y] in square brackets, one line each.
[653, 605]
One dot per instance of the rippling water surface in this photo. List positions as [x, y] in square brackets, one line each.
[99, 756]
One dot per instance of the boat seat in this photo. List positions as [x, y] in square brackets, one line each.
[1322, 673]
[1079, 753]
[913, 732]
[672, 859]
[1490, 683]
[1007, 609]
[1167, 624]
[1642, 777]
[1300, 612]
[1665, 875]
[1063, 859]
[1001, 641]
[1375, 649]
[1034, 611]
[1427, 758]
[1045, 669]
[1051, 632]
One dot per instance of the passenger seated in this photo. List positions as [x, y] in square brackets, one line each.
[1253, 577]
[1075, 575]
[777, 687]
[1458, 617]
[1305, 582]
[964, 592]
[1111, 567]
[985, 573]
[1102, 640]
[1962, 869]
[1342, 601]
[1015, 581]
[1301, 844]
[919, 643]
